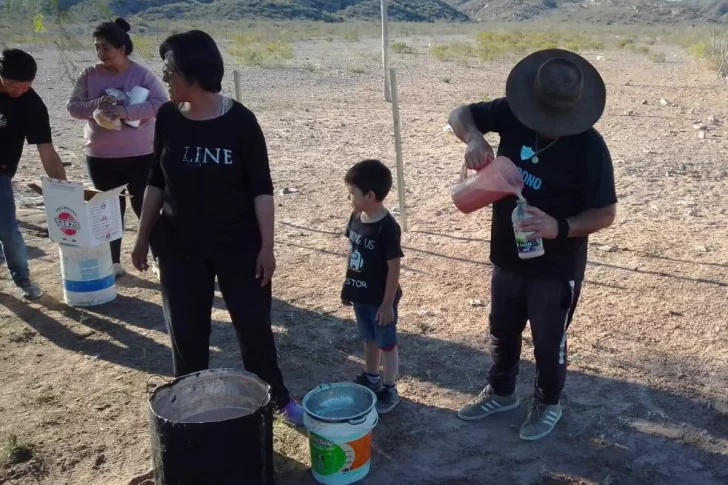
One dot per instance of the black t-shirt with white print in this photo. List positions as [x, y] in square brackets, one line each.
[371, 246]
[22, 118]
[574, 174]
[211, 171]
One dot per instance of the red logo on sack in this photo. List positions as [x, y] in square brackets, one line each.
[66, 222]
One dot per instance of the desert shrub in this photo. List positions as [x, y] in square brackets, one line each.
[146, 47]
[401, 48]
[351, 36]
[255, 51]
[492, 45]
[624, 42]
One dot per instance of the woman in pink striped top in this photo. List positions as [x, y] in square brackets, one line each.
[115, 158]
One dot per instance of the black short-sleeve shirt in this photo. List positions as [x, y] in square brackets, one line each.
[22, 118]
[211, 172]
[572, 175]
[371, 246]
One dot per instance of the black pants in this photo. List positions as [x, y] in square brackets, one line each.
[109, 173]
[549, 306]
[188, 289]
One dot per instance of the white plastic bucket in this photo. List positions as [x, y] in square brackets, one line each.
[88, 275]
[341, 446]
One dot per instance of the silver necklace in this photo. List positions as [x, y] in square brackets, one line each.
[534, 158]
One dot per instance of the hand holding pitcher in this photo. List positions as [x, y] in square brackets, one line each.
[479, 153]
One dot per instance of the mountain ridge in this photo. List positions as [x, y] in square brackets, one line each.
[608, 12]
[645, 12]
[322, 10]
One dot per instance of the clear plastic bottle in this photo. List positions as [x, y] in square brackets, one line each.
[527, 248]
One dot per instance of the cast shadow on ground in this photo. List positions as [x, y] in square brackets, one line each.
[131, 280]
[111, 322]
[36, 253]
[629, 431]
[33, 254]
[34, 229]
[611, 428]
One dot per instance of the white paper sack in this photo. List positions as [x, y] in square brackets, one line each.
[102, 120]
[105, 122]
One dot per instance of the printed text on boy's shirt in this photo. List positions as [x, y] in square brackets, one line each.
[371, 246]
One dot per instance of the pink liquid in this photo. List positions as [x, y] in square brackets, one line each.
[473, 199]
[497, 180]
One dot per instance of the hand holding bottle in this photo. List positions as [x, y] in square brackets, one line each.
[529, 244]
[542, 225]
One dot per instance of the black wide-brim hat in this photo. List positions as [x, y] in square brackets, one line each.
[556, 93]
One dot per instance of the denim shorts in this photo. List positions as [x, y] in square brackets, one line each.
[370, 331]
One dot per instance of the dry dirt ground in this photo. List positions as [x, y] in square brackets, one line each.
[646, 399]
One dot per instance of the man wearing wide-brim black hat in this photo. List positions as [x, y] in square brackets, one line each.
[545, 123]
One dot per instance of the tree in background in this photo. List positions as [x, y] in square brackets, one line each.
[41, 15]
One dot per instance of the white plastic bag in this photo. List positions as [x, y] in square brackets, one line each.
[137, 95]
[116, 94]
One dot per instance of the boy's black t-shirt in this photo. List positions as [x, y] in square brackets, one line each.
[572, 175]
[371, 245]
[211, 172]
[22, 118]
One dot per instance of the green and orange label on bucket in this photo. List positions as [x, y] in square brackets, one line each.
[329, 458]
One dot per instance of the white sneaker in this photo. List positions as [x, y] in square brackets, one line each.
[29, 290]
[119, 270]
[155, 267]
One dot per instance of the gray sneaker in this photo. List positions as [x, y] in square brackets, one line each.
[540, 421]
[387, 400]
[488, 403]
[363, 380]
[28, 289]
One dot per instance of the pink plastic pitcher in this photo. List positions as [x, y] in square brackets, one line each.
[499, 179]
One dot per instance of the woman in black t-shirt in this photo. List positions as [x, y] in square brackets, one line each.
[211, 178]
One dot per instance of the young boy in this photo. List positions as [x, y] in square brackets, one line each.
[372, 277]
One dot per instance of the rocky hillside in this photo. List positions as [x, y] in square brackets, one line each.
[717, 10]
[325, 10]
[644, 12]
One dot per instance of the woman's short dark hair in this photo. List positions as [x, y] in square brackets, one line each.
[18, 65]
[197, 58]
[116, 33]
[370, 176]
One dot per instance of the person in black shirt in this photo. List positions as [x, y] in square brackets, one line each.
[545, 123]
[211, 178]
[23, 116]
[372, 277]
